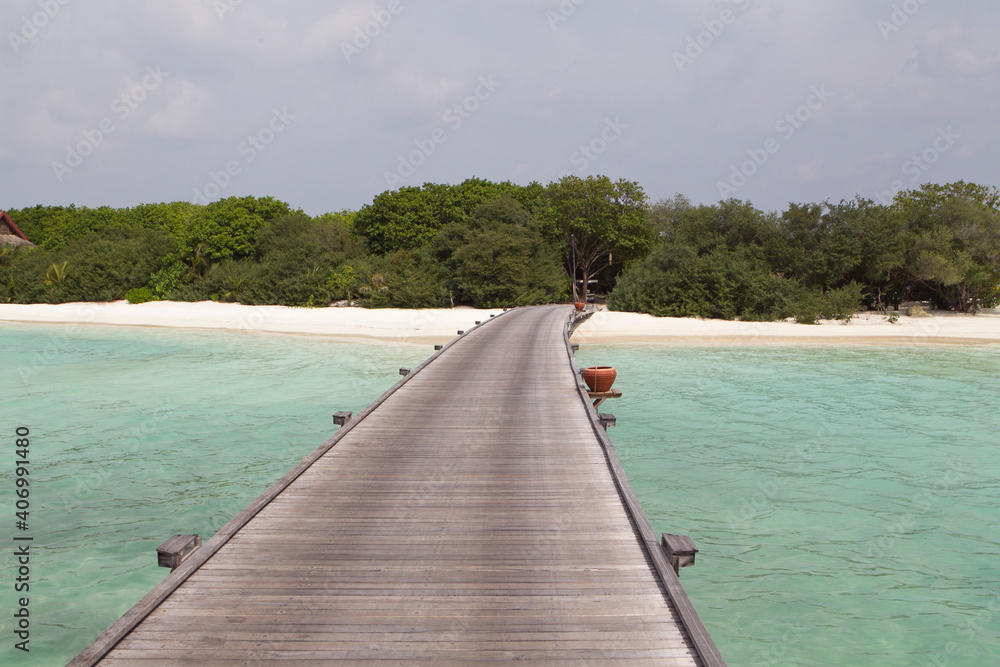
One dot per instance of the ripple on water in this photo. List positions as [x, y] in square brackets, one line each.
[844, 499]
[141, 434]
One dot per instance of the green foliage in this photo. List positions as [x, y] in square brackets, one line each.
[400, 220]
[500, 259]
[296, 257]
[101, 266]
[411, 217]
[665, 212]
[678, 281]
[838, 304]
[172, 218]
[829, 245]
[140, 295]
[403, 280]
[930, 196]
[954, 244]
[500, 244]
[170, 277]
[55, 275]
[53, 227]
[342, 282]
[720, 262]
[598, 223]
[227, 229]
[292, 260]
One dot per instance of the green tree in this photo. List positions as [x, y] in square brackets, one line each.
[816, 247]
[932, 196]
[500, 258]
[401, 220]
[664, 213]
[101, 266]
[879, 245]
[403, 279]
[297, 255]
[411, 217]
[599, 223]
[227, 229]
[725, 261]
[956, 253]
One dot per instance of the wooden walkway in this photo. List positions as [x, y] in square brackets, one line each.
[475, 513]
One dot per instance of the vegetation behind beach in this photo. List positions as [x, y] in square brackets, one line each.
[493, 245]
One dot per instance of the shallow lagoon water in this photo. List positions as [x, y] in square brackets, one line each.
[139, 434]
[844, 500]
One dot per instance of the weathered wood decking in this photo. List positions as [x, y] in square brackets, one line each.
[475, 513]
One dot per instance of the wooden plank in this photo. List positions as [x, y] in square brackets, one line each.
[440, 528]
[706, 649]
[118, 630]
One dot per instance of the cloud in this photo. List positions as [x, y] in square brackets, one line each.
[805, 172]
[560, 85]
[184, 115]
[950, 51]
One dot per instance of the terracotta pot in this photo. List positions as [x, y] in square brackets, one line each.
[580, 305]
[599, 378]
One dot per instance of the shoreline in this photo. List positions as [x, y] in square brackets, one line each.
[418, 327]
[441, 325]
[863, 329]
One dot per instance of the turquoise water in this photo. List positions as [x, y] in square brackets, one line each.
[141, 434]
[844, 500]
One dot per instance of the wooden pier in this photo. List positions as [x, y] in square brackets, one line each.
[475, 513]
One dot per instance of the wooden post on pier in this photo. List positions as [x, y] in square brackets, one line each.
[175, 551]
[429, 529]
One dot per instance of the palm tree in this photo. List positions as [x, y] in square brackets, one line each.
[56, 273]
[198, 262]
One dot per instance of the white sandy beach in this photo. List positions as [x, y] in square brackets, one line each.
[439, 326]
[865, 328]
[406, 326]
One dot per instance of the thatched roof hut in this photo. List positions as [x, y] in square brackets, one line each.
[10, 234]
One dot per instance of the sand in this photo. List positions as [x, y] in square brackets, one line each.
[866, 328]
[440, 326]
[398, 326]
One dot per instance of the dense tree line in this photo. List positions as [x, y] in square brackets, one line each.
[499, 244]
[938, 243]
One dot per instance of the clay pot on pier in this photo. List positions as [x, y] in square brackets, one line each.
[599, 378]
[580, 305]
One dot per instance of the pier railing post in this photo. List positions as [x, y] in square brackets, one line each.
[679, 549]
[174, 551]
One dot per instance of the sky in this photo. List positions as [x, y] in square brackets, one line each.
[324, 105]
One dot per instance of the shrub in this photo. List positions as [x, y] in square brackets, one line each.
[140, 295]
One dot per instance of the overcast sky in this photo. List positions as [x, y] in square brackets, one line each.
[325, 104]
